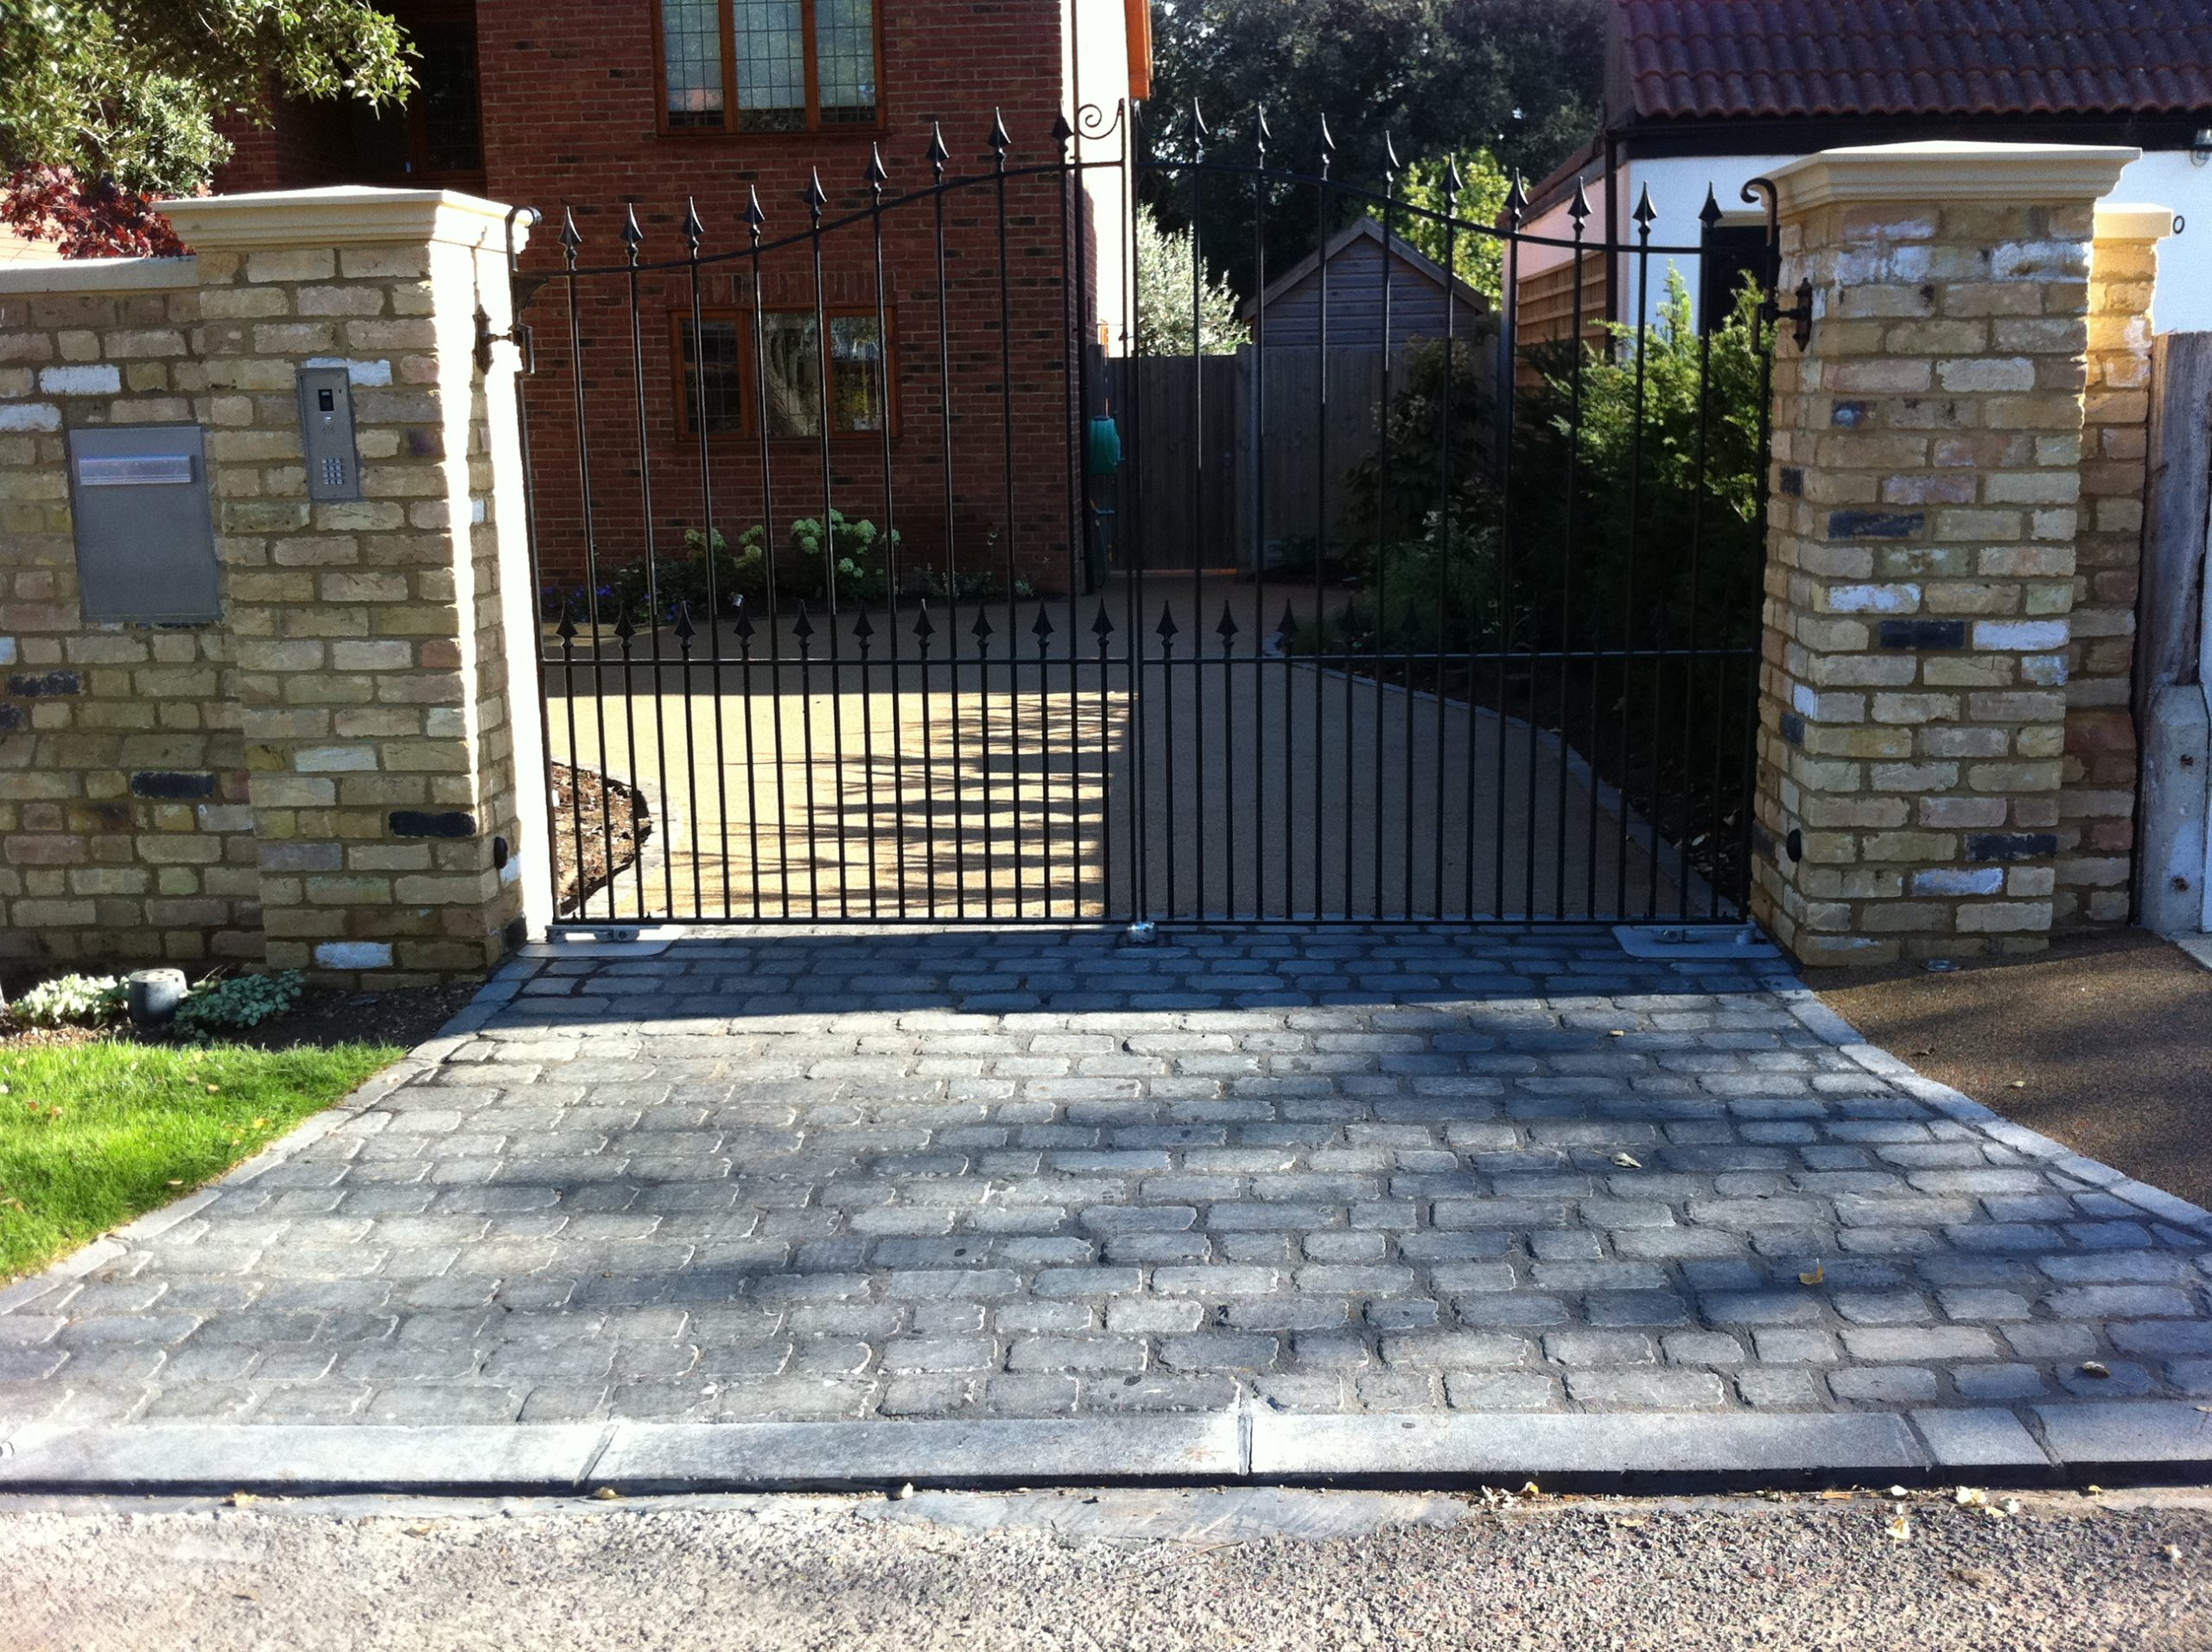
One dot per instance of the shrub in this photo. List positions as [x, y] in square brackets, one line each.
[71, 1001]
[241, 1001]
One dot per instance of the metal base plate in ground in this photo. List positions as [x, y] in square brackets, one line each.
[1688, 941]
[609, 940]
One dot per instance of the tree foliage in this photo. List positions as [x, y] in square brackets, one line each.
[1168, 270]
[1476, 258]
[105, 104]
[1521, 79]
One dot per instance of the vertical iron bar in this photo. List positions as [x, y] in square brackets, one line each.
[922, 632]
[1580, 213]
[1133, 526]
[1322, 645]
[1383, 556]
[1644, 215]
[877, 177]
[568, 635]
[1102, 629]
[1000, 143]
[1227, 631]
[816, 198]
[570, 241]
[694, 234]
[980, 630]
[1199, 135]
[1516, 202]
[1075, 381]
[937, 156]
[863, 641]
[1708, 216]
[683, 635]
[802, 629]
[1447, 519]
[1165, 632]
[625, 633]
[741, 627]
[633, 242]
[754, 219]
[1258, 446]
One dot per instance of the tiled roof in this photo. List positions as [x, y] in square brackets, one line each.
[1787, 58]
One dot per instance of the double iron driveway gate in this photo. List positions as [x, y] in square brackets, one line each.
[900, 567]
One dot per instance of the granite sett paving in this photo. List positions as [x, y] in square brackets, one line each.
[831, 1206]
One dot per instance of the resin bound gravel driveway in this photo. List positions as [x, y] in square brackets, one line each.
[833, 1209]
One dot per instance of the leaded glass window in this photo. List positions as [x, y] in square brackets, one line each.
[768, 66]
[691, 47]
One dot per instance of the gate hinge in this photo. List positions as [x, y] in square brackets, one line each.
[520, 335]
[1799, 316]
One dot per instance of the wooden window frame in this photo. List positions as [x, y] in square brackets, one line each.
[812, 125]
[748, 403]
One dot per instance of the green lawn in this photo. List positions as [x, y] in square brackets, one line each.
[93, 1135]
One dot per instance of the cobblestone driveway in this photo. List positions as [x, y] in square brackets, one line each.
[1027, 1174]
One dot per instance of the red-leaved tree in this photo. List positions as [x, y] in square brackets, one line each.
[89, 219]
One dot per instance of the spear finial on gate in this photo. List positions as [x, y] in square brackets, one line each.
[754, 217]
[566, 631]
[1709, 214]
[1227, 628]
[802, 628]
[623, 627]
[863, 631]
[1286, 625]
[1644, 212]
[922, 628]
[1262, 134]
[1516, 202]
[938, 154]
[632, 237]
[694, 231]
[1454, 183]
[1391, 165]
[1167, 629]
[1578, 208]
[1103, 627]
[878, 173]
[980, 630]
[1199, 122]
[1063, 134]
[1328, 146]
[1000, 142]
[1043, 628]
[684, 628]
[816, 196]
[570, 241]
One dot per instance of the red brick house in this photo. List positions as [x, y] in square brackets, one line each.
[597, 109]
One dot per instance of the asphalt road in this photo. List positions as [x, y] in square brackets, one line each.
[1115, 1571]
[2104, 1042]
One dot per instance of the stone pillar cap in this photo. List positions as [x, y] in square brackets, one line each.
[1917, 173]
[2129, 221]
[347, 215]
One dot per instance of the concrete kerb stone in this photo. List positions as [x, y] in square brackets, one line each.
[1824, 1023]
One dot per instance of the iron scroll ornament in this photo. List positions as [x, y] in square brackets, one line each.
[1761, 192]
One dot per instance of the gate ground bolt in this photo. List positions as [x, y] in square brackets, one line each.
[154, 996]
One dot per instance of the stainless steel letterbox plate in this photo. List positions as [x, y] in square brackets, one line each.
[145, 533]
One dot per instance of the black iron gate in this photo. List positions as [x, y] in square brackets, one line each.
[856, 527]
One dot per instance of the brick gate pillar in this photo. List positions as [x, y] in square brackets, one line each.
[385, 741]
[1923, 529]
